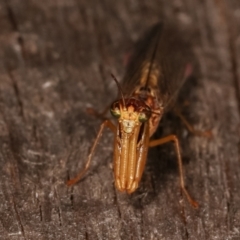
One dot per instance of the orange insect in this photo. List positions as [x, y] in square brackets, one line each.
[154, 76]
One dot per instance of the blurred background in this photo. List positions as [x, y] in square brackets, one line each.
[55, 60]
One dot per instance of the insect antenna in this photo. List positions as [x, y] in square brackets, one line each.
[120, 90]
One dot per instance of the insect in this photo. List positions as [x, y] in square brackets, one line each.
[156, 72]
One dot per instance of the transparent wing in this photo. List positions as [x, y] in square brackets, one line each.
[163, 48]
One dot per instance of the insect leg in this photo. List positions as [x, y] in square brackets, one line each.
[190, 128]
[174, 139]
[112, 127]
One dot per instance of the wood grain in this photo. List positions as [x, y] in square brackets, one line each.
[55, 60]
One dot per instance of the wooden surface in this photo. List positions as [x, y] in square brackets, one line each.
[55, 59]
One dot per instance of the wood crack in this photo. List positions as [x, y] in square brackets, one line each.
[40, 213]
[183, 215]
[17, 94]
[13, 22]
[18, 218]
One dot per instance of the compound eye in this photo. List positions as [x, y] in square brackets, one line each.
[115, 112]
[143, 117]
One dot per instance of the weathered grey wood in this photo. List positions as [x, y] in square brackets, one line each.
[55, 61]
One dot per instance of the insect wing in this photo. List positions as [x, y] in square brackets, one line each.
[160, 62]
